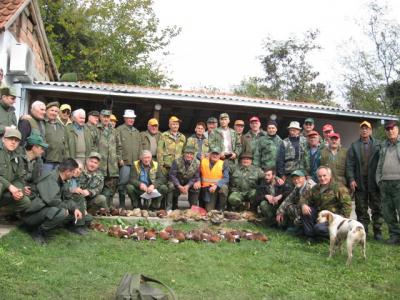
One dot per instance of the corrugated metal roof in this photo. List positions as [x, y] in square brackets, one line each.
[190, 96]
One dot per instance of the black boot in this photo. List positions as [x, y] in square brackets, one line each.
[40, 236]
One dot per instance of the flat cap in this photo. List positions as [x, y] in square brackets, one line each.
[51, 104]
[94, 113]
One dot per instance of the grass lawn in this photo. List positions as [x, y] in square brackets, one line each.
[90, 267]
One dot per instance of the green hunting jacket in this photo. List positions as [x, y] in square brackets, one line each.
[354, 167]
[216, 140]
[52, 192]
[107, 147]
[11, 169]
[169, 149]
[382, 153]
[145, 139]
[335, 198]
[91, 181]
[194, 142]
[266, 151]
[128, 144]
[336, 163]
[55, 137]
[252, 139]
[7, 117]
[244, 179]
[70, 141]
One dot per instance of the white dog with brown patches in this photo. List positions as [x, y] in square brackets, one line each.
[341, 228]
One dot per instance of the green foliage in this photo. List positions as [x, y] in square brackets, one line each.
[90, 267]
[106, 40]
[372, 68]
[288, 74]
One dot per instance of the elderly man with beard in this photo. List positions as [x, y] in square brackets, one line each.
[34, 122]
[146, 177]
[184, 179]
[7, 110]
[244, 179]
[12, 182]
[327, 195]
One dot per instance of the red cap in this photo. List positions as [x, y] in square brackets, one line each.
[334, 134]
[254, 118]
[327, 127]
[313, 132]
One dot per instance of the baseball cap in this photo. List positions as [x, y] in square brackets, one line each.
[224, 116]
[327, 127]
[174, 119]
[254, 118]
[12, 132]
[65, 106]
[313, 132]
[95, 155]
[152, 122]
[272, 122]
[8, 91]
[239, 123]
[36, 139]
[391, 124]
[246, 155]
[366, 123]
[94, 113]
[189, 149]
[299, 173]
[215, 149]
[105, 112]
[309, 120]
[51, 104]
[334, 134]
[212, 120]
[113, 118]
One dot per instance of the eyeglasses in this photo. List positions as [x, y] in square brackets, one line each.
[66, 111]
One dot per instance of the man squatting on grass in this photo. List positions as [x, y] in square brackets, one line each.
[55, 198]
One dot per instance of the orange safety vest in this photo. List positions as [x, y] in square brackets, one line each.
[210, 177]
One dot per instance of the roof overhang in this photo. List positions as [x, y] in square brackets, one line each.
[164, 95]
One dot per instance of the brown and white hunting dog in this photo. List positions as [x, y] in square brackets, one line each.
[341, 228]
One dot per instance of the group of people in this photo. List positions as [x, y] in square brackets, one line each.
[59, 166]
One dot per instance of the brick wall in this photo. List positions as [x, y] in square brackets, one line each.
[25, 31]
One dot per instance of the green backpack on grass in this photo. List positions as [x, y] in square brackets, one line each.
[136, 287]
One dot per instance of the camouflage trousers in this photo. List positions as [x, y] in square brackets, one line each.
[372, 200]
[155, 203]
[173, 194]
[216, 200]
[237, 199]
[390, 191]
[93, 204]
[109, 189]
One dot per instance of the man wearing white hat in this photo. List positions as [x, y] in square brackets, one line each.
[293, 154]
[130, 146]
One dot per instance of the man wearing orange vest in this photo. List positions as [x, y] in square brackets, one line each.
[214, 174]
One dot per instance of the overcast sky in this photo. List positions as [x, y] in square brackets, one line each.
[221, 39]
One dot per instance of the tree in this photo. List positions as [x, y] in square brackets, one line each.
[106, 40]
[288, 74]
[370, 70]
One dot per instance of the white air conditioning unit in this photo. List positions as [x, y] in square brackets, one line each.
[20, 62]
